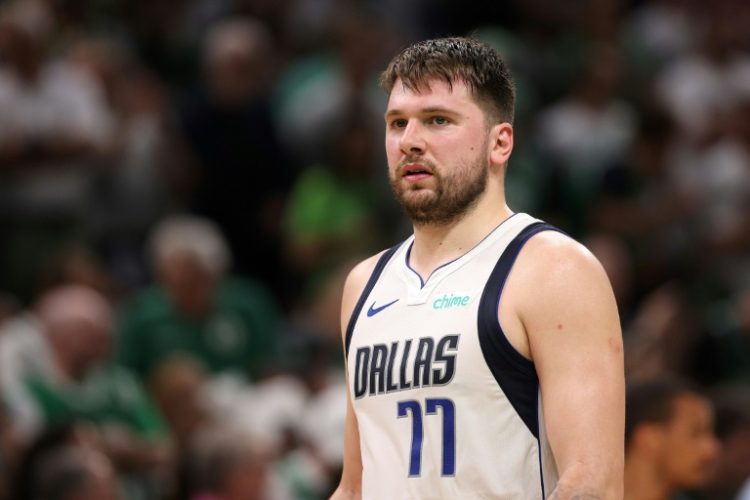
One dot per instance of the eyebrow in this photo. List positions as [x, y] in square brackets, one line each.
[428, 110]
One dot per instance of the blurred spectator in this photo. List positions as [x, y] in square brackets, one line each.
[227, 324]
[53, 111]
[76, 474]
[49, 443]
[297, 422]
[178, 387]
[312, 470]
[79, 384]
[242, 173]
[700, 85]
[24, 346]
[591, 127]
[670, 446]
[664, 336]
[313, 353]
[322, 88]
[638, 201]
[332, 201]
[313, 338]
[227, 465]
[148, 160]
[24, 352]
[586, 131]
[711, 174]
[657, 32]
[732, 404]
[55, 132]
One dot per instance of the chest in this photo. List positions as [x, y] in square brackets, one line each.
[413, 339]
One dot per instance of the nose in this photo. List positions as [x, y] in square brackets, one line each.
[412, 139]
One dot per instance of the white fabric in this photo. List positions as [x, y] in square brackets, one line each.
[496, 455]
[23, 352]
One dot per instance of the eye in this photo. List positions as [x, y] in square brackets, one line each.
[398, 123]
[439, 120]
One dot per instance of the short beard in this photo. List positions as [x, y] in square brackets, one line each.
[453, 197]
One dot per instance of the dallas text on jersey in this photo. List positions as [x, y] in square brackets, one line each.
[381, 369]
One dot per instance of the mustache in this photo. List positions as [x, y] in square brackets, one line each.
[408, 160]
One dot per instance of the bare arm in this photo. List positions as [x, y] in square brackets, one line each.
[351, 478]
[566, 307]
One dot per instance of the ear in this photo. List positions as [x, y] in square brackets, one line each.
[501, 143]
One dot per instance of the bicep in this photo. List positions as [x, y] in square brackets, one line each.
[576, 345]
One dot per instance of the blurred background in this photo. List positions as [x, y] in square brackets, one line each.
[184, 185]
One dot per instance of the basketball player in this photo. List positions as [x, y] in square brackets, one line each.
[484, 355]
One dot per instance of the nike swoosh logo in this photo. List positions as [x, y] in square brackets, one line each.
[372, 311]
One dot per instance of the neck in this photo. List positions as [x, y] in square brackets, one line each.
[435, 245]
[643, 481]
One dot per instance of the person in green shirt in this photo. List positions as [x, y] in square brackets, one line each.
[229, 325]
[80, 384]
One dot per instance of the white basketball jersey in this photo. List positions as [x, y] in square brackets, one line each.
[446, 407]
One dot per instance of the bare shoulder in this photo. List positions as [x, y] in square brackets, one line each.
[354, 285]
[559, 286]
[552, 260]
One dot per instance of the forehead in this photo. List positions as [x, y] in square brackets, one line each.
[692, 408]
[434, 93]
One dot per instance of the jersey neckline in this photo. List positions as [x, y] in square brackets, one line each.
[414, 280]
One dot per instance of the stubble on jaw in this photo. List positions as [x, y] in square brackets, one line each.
[450, 198]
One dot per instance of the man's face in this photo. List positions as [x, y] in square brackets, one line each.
[437, 144]
[690, 447]
[84, 344]
[189, 284]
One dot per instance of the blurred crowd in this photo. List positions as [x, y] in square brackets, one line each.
[184, 185]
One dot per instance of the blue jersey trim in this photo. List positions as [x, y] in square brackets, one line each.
[514, 373]
[541, 467]
[376, 272]
[408, 266]
[423, 282]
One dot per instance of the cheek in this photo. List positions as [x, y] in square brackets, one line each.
[692, 454]
[392, 149]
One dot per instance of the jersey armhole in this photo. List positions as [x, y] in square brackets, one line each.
[376, 272]
[514, 373]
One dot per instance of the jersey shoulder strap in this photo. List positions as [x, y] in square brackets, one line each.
[513, 372]
[376, 272]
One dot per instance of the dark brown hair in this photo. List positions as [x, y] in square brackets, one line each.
[469, 60]
[652, 401]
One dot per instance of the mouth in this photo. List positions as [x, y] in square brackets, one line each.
[414, 172]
